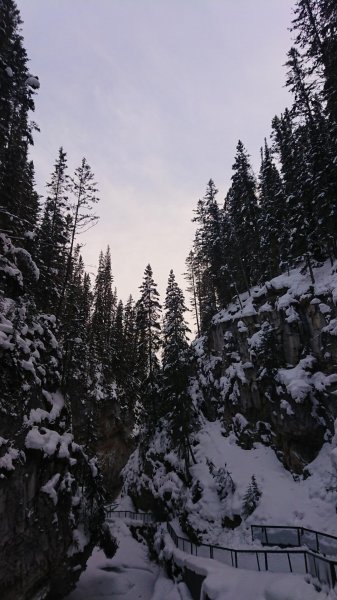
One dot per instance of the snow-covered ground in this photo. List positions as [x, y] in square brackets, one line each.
[292, 286]
[285, 500]
[129, 575]
[226, 583]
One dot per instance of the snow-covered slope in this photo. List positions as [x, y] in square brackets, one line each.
[266, 409]
[263, 450]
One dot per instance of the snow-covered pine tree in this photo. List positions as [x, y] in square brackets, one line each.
[117, 352]
[53, 236]
[291, 145]
[129, 336]
[84, 192]
[18, 205]
[272, 217]
[75, 324]
[243, 213]
[315, 25]
[176, 362]
[193, 288]
[148, 312]
[313, 80]
[251, 498]
[104, 307]
[208, 256]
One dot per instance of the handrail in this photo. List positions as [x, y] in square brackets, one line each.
[315, 540]
[302, 561]
[294, 561]
[136, 516]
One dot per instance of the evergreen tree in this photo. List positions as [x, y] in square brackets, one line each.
[75, 324]
[315, 24]
[193, 288]
[18, 205]
[118, 349]
[272, 217]
[312, 78]
[208, 260]
[129, 336]
[176, 356]
[251, 498]
[176, 370]
[242, 210]
[53, 237]
[104, 305]
[148, 344]
[83, 188]
[292, 143]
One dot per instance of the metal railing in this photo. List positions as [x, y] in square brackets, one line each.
[280, 535]
[145, 518]
[284, 561]
[304, 561]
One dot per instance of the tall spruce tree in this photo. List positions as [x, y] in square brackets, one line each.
[53, 236]
[211, 285]
[83, 189]
[75, 324]
[272, 217]
[193, 288]
[315, 25]
[176, 361]
[243, 213]
[313, 80]
[104, 306]
[18, 206]
[148, 312]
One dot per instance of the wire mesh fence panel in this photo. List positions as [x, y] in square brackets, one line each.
[247, 560]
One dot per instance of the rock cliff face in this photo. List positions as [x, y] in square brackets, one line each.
[114, 447]
[50, 501]
[268, 367]
[104, 430]
[265, 378]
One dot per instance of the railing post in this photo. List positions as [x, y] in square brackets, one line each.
[265, 533]
[298, 536]
[289, 561]
[236, 559]
[211, 551]
[266, 561]
[258, 561]
[317, 543]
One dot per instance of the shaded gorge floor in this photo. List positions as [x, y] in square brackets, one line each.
[129, 575]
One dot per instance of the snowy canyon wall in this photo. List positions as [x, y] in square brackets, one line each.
[50, 504]
[268, 367]
[100, 425]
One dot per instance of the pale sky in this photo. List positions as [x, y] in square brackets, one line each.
[155, 94]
